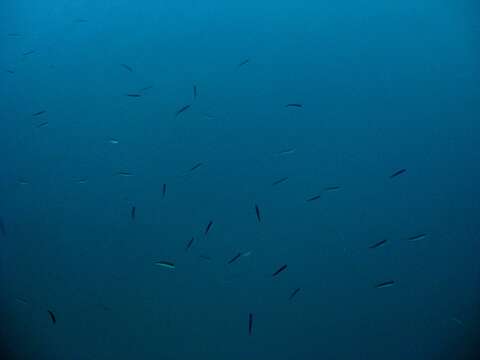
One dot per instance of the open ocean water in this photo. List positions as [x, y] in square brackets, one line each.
[236, 180]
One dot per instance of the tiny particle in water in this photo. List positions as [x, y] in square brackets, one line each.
[166, 264]
[82, 181]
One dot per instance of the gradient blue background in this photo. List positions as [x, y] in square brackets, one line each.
[385, 85]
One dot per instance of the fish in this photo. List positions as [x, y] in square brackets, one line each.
[331, 188]
[30, 52]
[165, 264]
[287, 151]
[82, 180]
[181, 110]
[378, 244]
[235, 258]
[39, 113]
[313, 198]
[417, 237]
[279, 181]
[195, 93]
[113, 141]
[10, 71]
[385, 284]
[397, 173]
[126, 67]
[209, 226]
[243, 63]
[257, 213]
[133, 212]
[250, 323]
[80, 20]
[293, 294]
[189, 244]
[52, 316]
[42, 124]
[164, 190]
[195, 167]
[145, 88]
[294, 105]
[3, 230]
[124, 173]
[134, 95]
[279, 270]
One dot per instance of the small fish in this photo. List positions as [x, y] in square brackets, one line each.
[189, 244]
[313, 198]
[417, 237]
[82, 180]
[3, 230]
[134, 95]
[288, 151]
[80, 20]
[145, 88]
[133, 213]
[113, 141]
[39, 113]
[279, 270]
[195, 93]
[124, 173]
[209, 226]
[294, 105]
[126, 67]
[30, 52]
[242, 63]
[250, 323]
[385, 284]
[378, 244]
[257, 213]
[247, 253]
[331, 188]
[164, 190]
[293, 294]
[195, 167]
[10, 71]
[181, 110]
[42, 124]
[279, 181]
[52, 316]
[235, 258]
[166, 264]
[397, 173]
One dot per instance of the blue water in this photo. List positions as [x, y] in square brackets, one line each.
[383, 86]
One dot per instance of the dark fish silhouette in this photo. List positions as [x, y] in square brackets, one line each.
[30, 52]
[126, 67]
[42, 124]
[294, 105]
[10, 71]
[417, 237]
[189, 244]
[164, 191]
[279, 270]
[279, 181]
[397, 173]
[209, 226]
[257, 213]
[244, 62]
[52, 316]
[133, 212]
[134, 95]
[331, 188]
[3, 230]
[293, 294]
[235, 258]
[195, 92]
[124, 173]
[80, 20]
[385, 284]
[250, 324]
[145, 88]
[313, 198]
[166, 264]
[195, 167]
[378, 244]
[39, 113]
[181, 110]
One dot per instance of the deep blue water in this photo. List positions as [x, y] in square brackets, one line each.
[384, 86]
